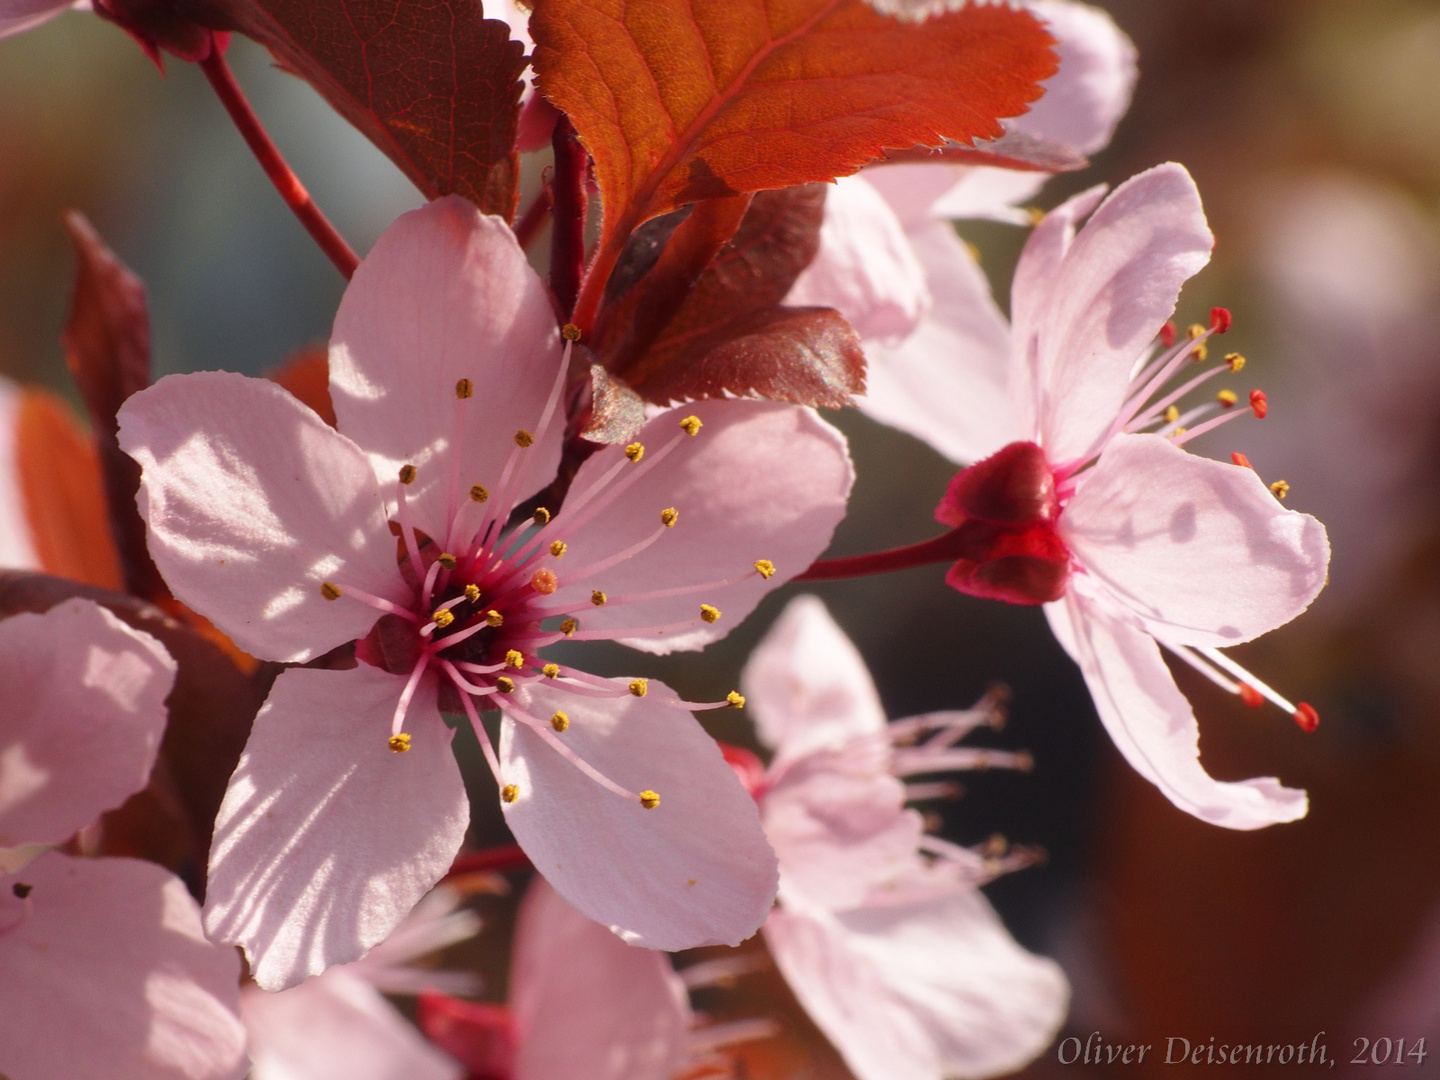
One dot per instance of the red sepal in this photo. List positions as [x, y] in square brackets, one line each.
[1027, 565]
[1013, 486]
[478, 1035]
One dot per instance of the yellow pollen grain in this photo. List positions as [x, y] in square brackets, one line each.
[1199, 353]
[649, 799]
[560, 721]
[568, 627]
[329, 591]
[1227, 399]
[472, 592]
[709, 614]
[1178, 432]
[494, 618]
[407, 474]
[544, 581]
[443, 617]
[640, 687]
[464, 388]
[541, 516]
[765, 568]
[557, 548]
[509, 793]
[505, 684]
[478, 493]
[598, 598]
[514, 658]
[550, 670]
[400, 743]
[669, 516]
[1194, 330]
[446, 560]
[736, 699]
[1280, 489]
[635, 451]
[1235, 360]
[523, 438]
[1034, 213]
[691, 425]
[570, 332]
[1172, 414]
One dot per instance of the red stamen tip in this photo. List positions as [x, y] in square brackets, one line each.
[1306, 717]
[1259, 405]
[1220, 319]
[1167, 334]
[1241, 460]
[1250, 696]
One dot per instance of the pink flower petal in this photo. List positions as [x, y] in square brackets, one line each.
[806, 685]
[18, 15]
[252, 502]
[104, 966]
[446, 294]
[327, 838]
[1199, 549]
[336, 1026]
[17, 545]
[1152, 723]
[920, 991]
[989, 194]
[1112, 291]
[84, 714]
[588, 1006]
[760, 481]
[694, 870]
[911, 189]
[865, 268]
[948, 383]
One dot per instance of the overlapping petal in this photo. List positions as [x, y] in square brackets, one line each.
[694, 870]
[103, 966]
[760, 481]
[251, 502]
[588, 1006]
[1199, 549]
[1152, 723]
[83, 716]
[446, 294]
[326, 838]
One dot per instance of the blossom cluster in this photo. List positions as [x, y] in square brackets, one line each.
[255, 648]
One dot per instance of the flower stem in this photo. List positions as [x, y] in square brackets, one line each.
[941, 548]
[266, 152]
[567, 234]
[492, 860]
[530, 221]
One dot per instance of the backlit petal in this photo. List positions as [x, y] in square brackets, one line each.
[1086, 98]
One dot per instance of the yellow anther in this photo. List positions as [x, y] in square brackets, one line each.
[570, 332]
[1172, 414]
[541, 516]
[709, 614]
[514, 658]
[736, 699]
[974, 251]
[568, 626]
[494, 618]
[464, 389]
[1227, 399]
[505, 684]
[598, 598]
[1235, 360]
[691, 425]
[640, 687]
[1280, 489]
[557, 548]
[635, 451]
[1199, 353]
[472, 592]
[560, 721]
[329, 591]
[1178, 432]
[523, 438]
[544, 581]
[478, 493]
[400, 743]
[443, 617]
[669, 516]
[1195, 330]
[1035, 214]
[446, 560]
[407, 474]
[509, 793]
[550, 670]
[649, 800]
[766, 568]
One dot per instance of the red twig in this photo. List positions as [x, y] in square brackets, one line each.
[266, 152]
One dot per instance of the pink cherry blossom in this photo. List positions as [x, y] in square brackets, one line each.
[1094, 509]
[19, 15]
[101, 960]
[446, 375]
[881, 931]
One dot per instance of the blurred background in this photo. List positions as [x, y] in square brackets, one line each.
[1313, 129]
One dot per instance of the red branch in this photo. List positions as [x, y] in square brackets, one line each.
[266, 152]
